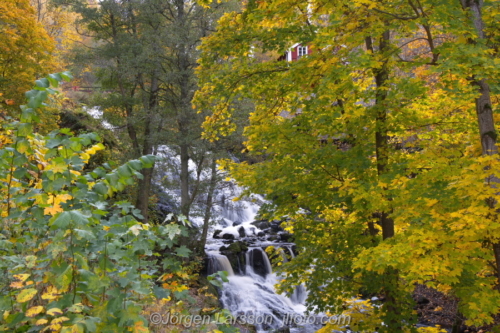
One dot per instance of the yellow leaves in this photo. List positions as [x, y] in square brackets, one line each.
[33, 311]
[175, 286]
[91, 151]
[368, 3]
[25, 49]
[54, 312]
[57, 166]
[51, 293]
[59, 320]
[52, 328]
[41, 322]
[26, 295]
[430, 202]
[21, 277]
[436, 329]
[139, 327]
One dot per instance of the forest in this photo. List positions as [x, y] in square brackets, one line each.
[267, 166]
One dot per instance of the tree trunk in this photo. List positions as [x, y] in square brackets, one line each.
[484, 113]
[382, 154]
[185, 198]
[208, 207]
[381, 137]
[150, 105]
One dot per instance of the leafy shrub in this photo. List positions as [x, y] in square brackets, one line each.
[71, 260]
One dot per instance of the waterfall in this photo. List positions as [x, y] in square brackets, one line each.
[290, 249]
[219, 262]
[299, 295]
[251, 297]
[259, 262]
[235, 245]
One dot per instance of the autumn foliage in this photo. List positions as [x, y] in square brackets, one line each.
[371, 144]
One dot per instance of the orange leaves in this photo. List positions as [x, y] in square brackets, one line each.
[56, 200]
[139, 328]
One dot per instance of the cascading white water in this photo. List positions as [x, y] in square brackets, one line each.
[250, 293]
[252, 299]
[258, 260]
[219, 262]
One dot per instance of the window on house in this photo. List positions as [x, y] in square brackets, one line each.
[302, 51]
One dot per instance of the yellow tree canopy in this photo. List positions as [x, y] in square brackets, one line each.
[25, 49]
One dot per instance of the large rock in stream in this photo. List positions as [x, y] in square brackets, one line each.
[235, 253]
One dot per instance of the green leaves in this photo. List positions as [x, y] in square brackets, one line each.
[147, 161]
[69, 218]
[171, 230]
[217, 278]
[183, 251]
[68, 246]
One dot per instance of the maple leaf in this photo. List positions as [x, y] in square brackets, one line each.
[53, 210]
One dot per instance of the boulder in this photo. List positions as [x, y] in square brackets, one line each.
[227, 236]
[275, 226]
[235, 253]
[285, 237]
[217, 233]
[262, 224]
[258, 262]
[242, 232]
[237, 247]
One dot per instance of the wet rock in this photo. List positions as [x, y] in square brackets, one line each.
[258, 262]
[261, 234]
[285, 237]
[237, 247]
[235, 253]
[204, 267]
[262, 224]
[235, 224]
[217, 234]
[223, 248]
[283, 330]
[228, 236]
[241, 231]
[275, 226]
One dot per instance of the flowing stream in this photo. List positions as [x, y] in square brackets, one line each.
[236, 244]
[250, 294]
